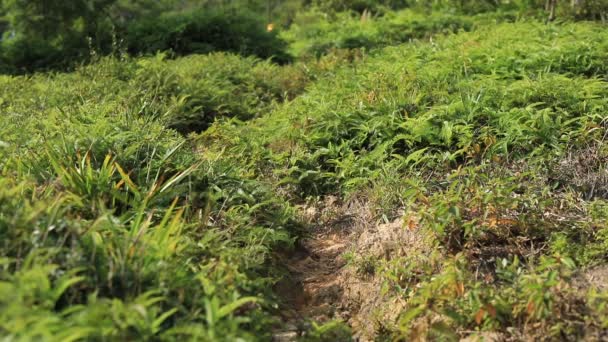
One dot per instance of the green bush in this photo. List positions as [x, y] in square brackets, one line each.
[315, 34]
[44, 36]
[187, 94]
[43, 46]
[203, 88]
[359, 6]
[23, 53]
[112, 226]
[206, 31]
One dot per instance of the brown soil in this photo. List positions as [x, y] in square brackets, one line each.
[313, 290]
[322, 287]
[318, 271]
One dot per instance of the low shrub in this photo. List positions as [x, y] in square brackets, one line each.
[203, 88]
[314, 33]
[186, 94]
[112, 226]
[206, 31]
[178, 33]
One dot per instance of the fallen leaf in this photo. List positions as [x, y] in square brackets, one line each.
[479, 316]
[491, 310]
[530, 308]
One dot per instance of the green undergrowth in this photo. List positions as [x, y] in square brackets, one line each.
[493, 143]
[114, 226]
[148, 199]
[315, 33]
[203, 31]
[187, 94]
[466, 98]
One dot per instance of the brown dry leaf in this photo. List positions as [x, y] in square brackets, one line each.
[507, 222]
[371, 96]
[460, 289]
[530, 308]
[479, 316]
[492, 221]
[491, 310]
[412, 223]
[488, 278]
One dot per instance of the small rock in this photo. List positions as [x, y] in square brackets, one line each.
[285, 336]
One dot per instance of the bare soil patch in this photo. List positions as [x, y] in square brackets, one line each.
[322, 287]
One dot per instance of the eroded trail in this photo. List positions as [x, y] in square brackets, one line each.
[314, 287]
[320, 286]
[317, 269]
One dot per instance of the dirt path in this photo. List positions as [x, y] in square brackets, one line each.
[317, 268]
[319, 286]
[313, 289]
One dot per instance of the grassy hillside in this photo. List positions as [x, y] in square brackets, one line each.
[490, 146]
[460, 159]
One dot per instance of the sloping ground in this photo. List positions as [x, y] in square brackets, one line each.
[327, 280]
[313, 289]
[480, 211]
[456, 188]
[317, 269]
[332, 276]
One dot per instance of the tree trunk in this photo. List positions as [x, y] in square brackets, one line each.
[552, 4]
[576, 3]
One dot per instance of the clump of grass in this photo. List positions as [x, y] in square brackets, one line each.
[113, 226]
